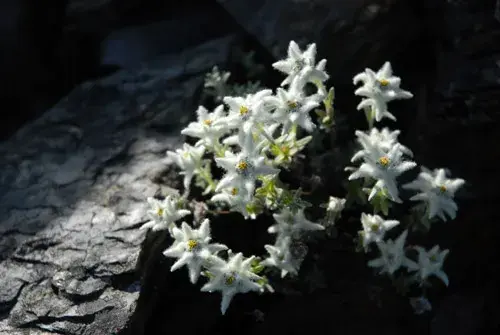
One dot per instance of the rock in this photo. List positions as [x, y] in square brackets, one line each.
[73, 189]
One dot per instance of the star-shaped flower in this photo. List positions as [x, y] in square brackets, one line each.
[437, 192]
[245, 113]
[392, 256]
[232, 277]
[379, 88]
[243, 168]
[289, 223]
[205, 129]
[374, 228]
[189, 159]
[431, 263]
[383, 139]
[302, 64]
[236, 198]
[192, 248]
[383, 166]
[281, 257]
[164, 213]
[291, 107]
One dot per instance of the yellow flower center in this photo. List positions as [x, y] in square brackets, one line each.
[207, 122]
[384, 161]
[433, 258]
[230, 279]
[159, 211]
[442, 189]
[375, 227]
[384, 82]
[286, 150]
[292, 104]
[234, 191]
[242, 166]
[244, 110]
[191, 244]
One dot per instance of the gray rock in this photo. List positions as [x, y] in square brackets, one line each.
[72, 195]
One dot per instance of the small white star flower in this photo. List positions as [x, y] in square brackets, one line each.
[374, 228]
[383, 166]
[236, 198]
[281, 257]
[384, 139]
[192, 248]
[243, 168]
[189, 159]
[437, 192]
[301, 63]
[232, 277]
[245, 113]
[431, 263]
[392, 256]
[335, 205]
[289, 223]
[291, 107]
[205, 129]
[164, 213]
[379, 88]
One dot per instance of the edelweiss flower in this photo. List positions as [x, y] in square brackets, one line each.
[289, 223]
[383, 166]
[374, 228]
[392, 256]
[335, 205]
[192, 248]
[281, 257]
[292, 107]
[245, 113]
[163, 213]
[188, 159]
[437, 191]
[384, 139]
[431, 263]
[301, 64]
[232, 277]
[244, 167]
[379, 88]
[205, 129]
[236, 198]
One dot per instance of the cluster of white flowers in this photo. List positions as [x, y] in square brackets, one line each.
[251, 138]
[383, 160]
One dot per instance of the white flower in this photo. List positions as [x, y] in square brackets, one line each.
[188, 159]
[384, 139]
[164, 213]
[236, 198]
[335, 205]
[282, 258]
[392, 256]
[232, 277]
[245, 113]
[379, 88]
[192, 247]
[289, 223]
[431, 263]
[374, 228]
[244, 167]
[292, 107]
[437, 192]
[205, 129]
[383, 166]
[300, 64]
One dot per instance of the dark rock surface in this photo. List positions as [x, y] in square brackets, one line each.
[72, 194]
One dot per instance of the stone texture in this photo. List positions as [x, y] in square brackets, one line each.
[73, 189]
